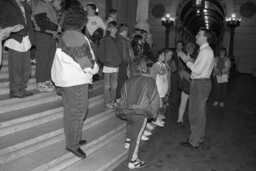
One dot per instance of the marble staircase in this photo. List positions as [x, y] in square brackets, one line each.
[31, 131]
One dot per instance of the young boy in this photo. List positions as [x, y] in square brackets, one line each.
[94, 21]
[139, 101]
[111, 59]
[125, 50]
[72, 70]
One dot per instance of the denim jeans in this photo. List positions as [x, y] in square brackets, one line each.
[110, 85]
[75, 101]
[135, 127]
[199, 93]
[19, 70]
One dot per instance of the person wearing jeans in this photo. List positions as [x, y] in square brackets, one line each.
[111, 59]
[72, 70]
[200, 87]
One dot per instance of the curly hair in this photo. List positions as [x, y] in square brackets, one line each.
[74, 17]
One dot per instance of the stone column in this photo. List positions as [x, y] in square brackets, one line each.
[142, 19]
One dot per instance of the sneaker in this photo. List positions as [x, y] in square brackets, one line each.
[161, 117]
[114, 104]
[147, 133]
[150, 126]
[221, 104]
[136, 164]
[49, 84]
[215, 104]
[144, 138]
[159, 123]
[44, 87]
[127, 143]
[109, 106]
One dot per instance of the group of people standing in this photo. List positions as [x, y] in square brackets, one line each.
[73, 48]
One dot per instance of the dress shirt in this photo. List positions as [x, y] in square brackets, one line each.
[203, 65]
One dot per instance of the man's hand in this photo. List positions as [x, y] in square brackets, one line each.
[184, 57]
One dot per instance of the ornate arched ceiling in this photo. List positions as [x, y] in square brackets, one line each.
[210, 13]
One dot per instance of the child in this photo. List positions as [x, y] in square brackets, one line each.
[125, 50]
[94, 21]
[139, 102]
[160, 74]
[72, 70]
[221, 73]
[111, 59]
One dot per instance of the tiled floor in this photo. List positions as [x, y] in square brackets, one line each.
[230, 142]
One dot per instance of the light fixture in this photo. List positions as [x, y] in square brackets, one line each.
[233, 21]
[167, 22]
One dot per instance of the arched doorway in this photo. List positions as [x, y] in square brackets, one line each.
[190, 18]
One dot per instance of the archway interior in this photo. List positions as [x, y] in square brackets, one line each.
[196, 14]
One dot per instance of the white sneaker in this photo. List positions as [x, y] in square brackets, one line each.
[147, 133]
[44, 87]
[127, 143]
[49, 84]
[136, 164]
[144, 138]
[150, 126]
[161, 116]
[159, 123]
[215, 104]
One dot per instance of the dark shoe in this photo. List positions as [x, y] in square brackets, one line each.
[27, 93]
[78, 152]
[18, 94]
[82, 142]
[188, 145]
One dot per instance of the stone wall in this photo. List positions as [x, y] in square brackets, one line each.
[245, 41]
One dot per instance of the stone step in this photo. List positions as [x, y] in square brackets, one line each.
[13, 104]
[4, 87]
[105, 159]
[24, 121]
[55, 157]
[24, 142]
